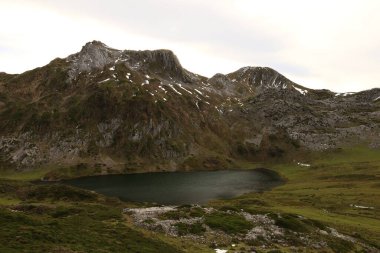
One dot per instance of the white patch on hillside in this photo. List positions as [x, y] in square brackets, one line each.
[104, 80]
[162, 88]
[362, 207]
[202, 93]
[174, 89]
[219, 110]
[344, 94]
[303, 164]
[303, 92]
[183, 88]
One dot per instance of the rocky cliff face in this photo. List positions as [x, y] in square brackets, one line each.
[122, 110]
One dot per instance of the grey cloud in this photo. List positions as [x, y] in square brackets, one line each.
[303, 47]
[180, 21]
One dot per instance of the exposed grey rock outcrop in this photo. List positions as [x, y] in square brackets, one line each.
[261, 78]
[162, 61]
[94, 55]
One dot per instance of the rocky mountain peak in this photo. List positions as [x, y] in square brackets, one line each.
[94, 43]
[166, 57]
[261, 77]
[161, 61]
[94, 55]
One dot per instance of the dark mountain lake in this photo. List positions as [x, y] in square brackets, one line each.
[174, 188]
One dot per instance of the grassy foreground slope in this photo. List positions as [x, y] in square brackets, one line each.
[58, 218]
[341, 189]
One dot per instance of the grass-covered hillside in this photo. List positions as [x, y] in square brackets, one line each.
[57, 218]
[330, 206]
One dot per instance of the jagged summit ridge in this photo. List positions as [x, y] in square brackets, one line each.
[96, 55]
[261, 77]
[253, 80]
[161, 61]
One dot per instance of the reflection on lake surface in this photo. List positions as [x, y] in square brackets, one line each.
[180, 187]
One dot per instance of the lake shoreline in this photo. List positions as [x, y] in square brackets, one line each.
[261, 169]
[176, 188]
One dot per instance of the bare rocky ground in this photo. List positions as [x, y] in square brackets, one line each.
[261, 231]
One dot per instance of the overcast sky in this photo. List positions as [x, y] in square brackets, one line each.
[331, 44]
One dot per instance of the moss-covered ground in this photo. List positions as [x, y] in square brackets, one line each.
[341, 189]
[57, 218]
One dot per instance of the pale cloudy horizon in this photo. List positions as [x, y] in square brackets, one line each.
[319, 44]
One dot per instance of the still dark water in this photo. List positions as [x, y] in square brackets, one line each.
[180, 187]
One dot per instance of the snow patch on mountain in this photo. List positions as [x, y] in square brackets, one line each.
[302, 91]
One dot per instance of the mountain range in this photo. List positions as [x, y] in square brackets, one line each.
[127, 111]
